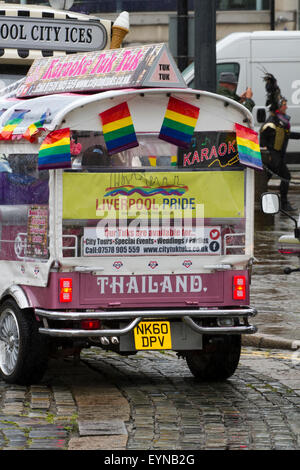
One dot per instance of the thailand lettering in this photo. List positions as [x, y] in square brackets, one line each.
[115, 285]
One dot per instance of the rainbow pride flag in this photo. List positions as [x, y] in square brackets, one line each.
[118, 130]
[248, 147]
[179, 122]
[55, 150]
[15, 119]
[32, 131]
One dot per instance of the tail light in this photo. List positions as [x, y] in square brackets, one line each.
[92, 324]
[239, 287]
[65, 294]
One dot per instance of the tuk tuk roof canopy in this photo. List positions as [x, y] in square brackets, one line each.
[68, 109]
[32, 110]
[139, 66]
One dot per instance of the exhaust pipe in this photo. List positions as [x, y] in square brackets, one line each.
[104, 340]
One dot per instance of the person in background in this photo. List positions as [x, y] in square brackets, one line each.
[227, 87]
[96, 156]
[274, 135]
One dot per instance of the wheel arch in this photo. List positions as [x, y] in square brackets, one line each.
[16, 293]
[23, 351]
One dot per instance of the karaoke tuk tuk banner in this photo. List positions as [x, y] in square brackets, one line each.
[138, 66]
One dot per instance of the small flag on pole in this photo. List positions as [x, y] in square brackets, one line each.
[174, 160]
[15, 119]
[152, 160]
[55, 151]
[32, 131]
[179, 122]
[118, 130]
[248, 147]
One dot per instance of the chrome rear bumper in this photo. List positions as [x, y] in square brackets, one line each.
[188, 316]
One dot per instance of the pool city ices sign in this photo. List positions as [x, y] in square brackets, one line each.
[52, 34]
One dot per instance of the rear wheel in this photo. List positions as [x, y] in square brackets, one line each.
[217, 360]
[23, 351]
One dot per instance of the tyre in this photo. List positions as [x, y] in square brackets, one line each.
[217, 360]
[23, 351]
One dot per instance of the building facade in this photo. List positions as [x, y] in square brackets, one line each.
[150, 21]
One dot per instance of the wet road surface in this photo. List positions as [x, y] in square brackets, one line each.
[171, 410]
[275, 295]
[151, 401]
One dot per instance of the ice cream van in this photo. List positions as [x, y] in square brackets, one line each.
[126, 215]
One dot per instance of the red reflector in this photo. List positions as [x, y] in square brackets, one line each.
[65, 294]
[90, 324]
[239, 287]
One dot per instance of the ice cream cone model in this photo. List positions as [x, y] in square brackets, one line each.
[120, 28]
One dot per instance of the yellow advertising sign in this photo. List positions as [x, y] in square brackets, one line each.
[99, 195]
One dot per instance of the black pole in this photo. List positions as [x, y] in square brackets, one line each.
[205, 45]
[272, 15]
[182, 34]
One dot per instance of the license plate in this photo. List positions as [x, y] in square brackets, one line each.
[153, 335]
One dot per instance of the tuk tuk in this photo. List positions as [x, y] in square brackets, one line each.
[126, 217]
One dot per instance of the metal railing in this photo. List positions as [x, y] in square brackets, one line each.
[228, 246]
[20, 244]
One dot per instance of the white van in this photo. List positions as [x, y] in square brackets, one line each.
[249, 55]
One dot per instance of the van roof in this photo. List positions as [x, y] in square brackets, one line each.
[259, 35]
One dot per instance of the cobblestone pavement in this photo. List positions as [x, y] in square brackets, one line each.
[151, 402]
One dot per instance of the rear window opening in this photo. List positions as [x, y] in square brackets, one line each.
[154, 199]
